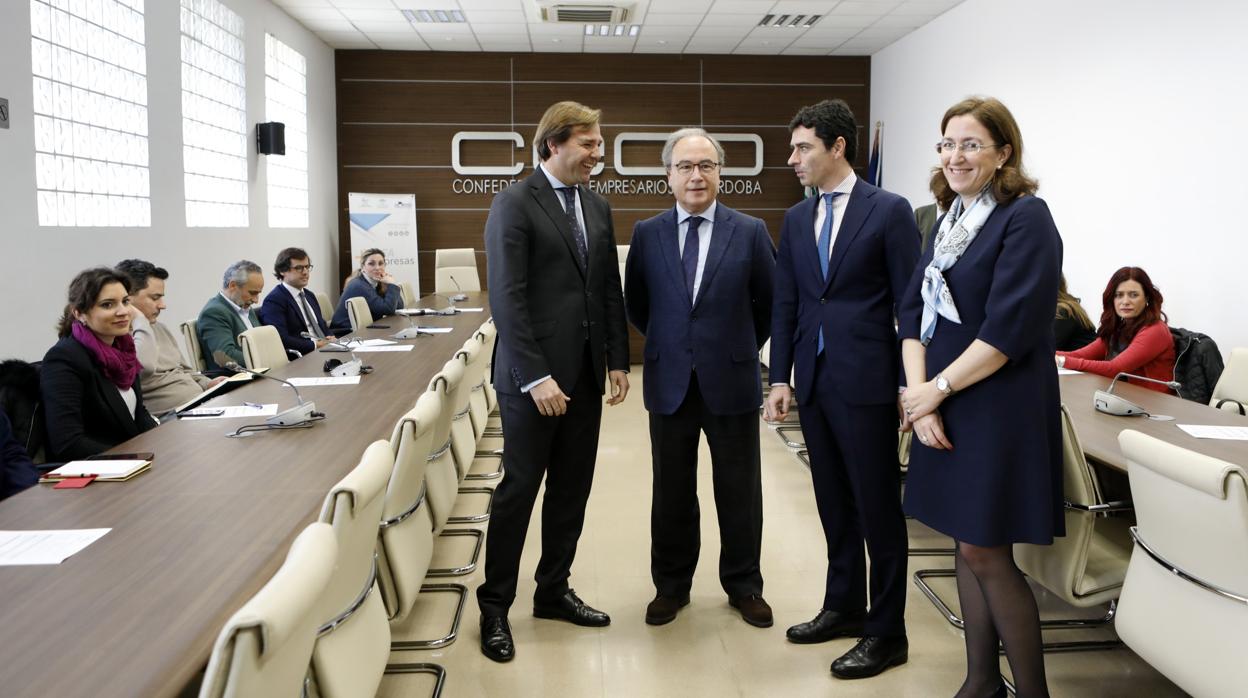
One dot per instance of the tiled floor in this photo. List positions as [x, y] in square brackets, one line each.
[708, 650]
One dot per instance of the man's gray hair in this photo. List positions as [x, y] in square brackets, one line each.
[684, 133]
[239, 271]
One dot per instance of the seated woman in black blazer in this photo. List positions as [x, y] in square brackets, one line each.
[89, 381]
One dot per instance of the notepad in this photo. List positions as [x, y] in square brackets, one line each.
[1213, 431]
[45, 547]
[103, 470]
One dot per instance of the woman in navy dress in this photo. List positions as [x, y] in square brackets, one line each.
[983, 401]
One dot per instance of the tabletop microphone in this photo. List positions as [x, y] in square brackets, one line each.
[461, 296]
[302, 412]
[330, 345]
[1109, 403]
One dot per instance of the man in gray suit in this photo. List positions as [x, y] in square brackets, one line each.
[229, 314]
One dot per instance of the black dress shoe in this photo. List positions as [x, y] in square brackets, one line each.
[754, 610]
[496, 642]
[569, 607]
[663, 609]
[872, 655]
[827, 625]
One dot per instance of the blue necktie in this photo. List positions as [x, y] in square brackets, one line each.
[569, 198]
[689, 258]
[825, 250]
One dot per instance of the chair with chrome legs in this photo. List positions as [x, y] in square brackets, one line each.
[353, 642]
[441, 474]
[463, 440]
[1184, 605]
[485, 465]
[1084, 568]
[406, 545]
[266, 646]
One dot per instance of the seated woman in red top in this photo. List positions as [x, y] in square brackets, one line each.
[1133, 336]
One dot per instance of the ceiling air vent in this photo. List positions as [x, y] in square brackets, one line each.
[586, 13]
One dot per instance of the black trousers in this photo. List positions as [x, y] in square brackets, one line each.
[857, 481]
[562, 450]
[674, 514]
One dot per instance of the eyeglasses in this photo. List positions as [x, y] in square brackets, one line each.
[300, 268]
[969, 147]
[706, 167]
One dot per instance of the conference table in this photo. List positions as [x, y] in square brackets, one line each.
[137, 612]
[1098, 432]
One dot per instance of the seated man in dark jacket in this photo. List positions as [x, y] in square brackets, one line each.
[291, 307]
[16, 471]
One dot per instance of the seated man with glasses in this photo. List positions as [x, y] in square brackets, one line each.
[293, 309]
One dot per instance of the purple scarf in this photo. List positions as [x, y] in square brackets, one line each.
[119, 362]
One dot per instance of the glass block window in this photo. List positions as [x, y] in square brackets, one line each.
[214, 124]
[286, 101]
[89, 65]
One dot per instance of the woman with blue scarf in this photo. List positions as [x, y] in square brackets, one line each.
[983, 400]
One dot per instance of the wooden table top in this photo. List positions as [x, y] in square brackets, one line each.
[136, 613]
[1098, 432]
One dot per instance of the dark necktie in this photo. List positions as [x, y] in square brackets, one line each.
[825, 250]
[313, 326]
[569, 199]
[689, 258]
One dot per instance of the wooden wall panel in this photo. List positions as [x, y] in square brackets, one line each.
[398, 111]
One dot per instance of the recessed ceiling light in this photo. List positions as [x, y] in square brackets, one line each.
[766, 20]
[441, 15]
[797, 20]
[619, 30]
[812, 19]
[663, 42]
[604, 30]
[555, 40]
[634, 30]
[781, 20]
[589, 30]
[457, 16]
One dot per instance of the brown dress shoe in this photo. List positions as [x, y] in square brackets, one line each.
[754, 610]
[663, 609]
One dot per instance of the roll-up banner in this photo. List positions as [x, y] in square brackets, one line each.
[387, 222]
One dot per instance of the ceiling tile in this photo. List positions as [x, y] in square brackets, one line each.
[442, 29]
[881, 34]
[802, 7]
[499, 29]
[666, 32]
[384, 27]
[399, 42]
[828, 40]
[655, 48]
[314, 13]
[450, 42]
[722, 20]
[667, 7]
[494, 16]
[346, 39]
[903, 21]
[758, 50]
[741, 7]
[933, 7]
[373, 15]
[850, 52]
[710, 46]
[556, 29]
[303, 3]
[846, 22]
[796, 51]
[675, 20]
[364, 4]
[728, 32]
[466, 5]
[623, 46]
[521, 46]
[328, 25]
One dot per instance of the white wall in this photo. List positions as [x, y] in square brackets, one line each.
[37, 263]
[1134, 117]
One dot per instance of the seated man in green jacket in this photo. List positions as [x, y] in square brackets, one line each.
[229, 314]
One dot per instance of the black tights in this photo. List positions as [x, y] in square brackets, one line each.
[998, 606]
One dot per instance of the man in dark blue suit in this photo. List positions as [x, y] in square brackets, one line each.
[698, 285]
[844, 261]
[291, 308]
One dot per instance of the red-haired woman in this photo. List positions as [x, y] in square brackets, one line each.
[1133, 336]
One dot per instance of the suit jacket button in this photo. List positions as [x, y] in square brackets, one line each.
[584, 323]
[823, 300]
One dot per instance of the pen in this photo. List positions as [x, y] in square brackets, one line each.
[253, 404]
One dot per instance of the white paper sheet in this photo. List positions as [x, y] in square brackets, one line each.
[45, 547]
[232, 411]
[468, 310]
[397, 347]
[436, 330]
[325, 380]
[1213, 431]
[371, 343]
[1067, 372]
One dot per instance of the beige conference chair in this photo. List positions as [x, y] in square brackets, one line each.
[354, 636]
[455, 270]
[266, 646]
[1085, 567]
[463, 440]
[193, 351]
[1184, 604]
[484, 465]
[327, 308]
[358, 313]
[262, 348]
[408, 293]
[1231, 392]
[406, 545]
[442, 476]
[488, 334]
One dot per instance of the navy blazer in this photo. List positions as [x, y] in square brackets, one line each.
[85, 412]
[281, 310]
[718, 334]
[380, 306]
[870, 265]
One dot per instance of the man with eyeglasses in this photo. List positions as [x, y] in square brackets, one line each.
[845, 259]
[698, 285]
[291, 308]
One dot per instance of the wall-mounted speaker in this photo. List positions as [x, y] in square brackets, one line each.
[271, 138]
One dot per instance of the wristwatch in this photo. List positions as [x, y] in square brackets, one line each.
[942, 384]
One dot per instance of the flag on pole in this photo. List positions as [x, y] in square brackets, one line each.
[875, 168]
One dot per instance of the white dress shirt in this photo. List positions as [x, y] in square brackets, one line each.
[243, 313]
[704, 238]
[303, 310]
